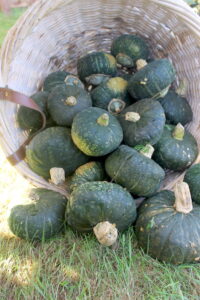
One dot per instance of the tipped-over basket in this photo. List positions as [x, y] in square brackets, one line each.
[53, 34]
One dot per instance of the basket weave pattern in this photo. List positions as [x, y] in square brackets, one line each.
[52, 34]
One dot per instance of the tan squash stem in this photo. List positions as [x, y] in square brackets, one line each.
[179, 132]
[140, 63]
[106, 233]
[71, 101]
[132, 116]
[182, 88]
[57, 176]
[183, 200]
[103, 120]
[147, 151]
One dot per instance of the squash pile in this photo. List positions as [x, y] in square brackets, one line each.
[112, 132]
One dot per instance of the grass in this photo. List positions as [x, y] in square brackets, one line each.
[77, 267]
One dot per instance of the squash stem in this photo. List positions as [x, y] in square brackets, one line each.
[57, 175]
[103, 120]
[179, 132]
[183, 199]
[116, 106]
[140, 63]
[147, 150]
[182, 88]
[71, 101]
[106, 233]
[132, 116]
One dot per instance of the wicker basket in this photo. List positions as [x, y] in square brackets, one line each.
[52, 34]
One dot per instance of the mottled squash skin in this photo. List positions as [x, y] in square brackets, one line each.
[150, 126]
[139, 174]
[95, 202]
[40, 220]
[192, 177]
[62, 113]
[96, 63]
[114, 88]
[176, 108]
[92, 138]
[54, 79]
[166, 234]
[132, 46]
[152, 79]
[51, 148]
[174, 154]
[30, 119]
[92, 171]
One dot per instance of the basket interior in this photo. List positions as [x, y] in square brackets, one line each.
[70, 29]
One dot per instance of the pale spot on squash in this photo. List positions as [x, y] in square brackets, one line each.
[117, 84]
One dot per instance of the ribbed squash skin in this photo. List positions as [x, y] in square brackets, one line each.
[166, 234]
[149, 81]
[131, 45]
[176, 108]
[40, 220]
[54, 147]
[54, 79]
[114, 88]
[92, 171]
[139, 174]
[192, 177]
[174, 154]
[92, 138]
[96, 63]
[28, 118]
[95, 202]
[62, 113]
[150, 126]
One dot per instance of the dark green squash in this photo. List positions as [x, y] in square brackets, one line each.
[65, 101]
[176, 108]
[177, 149]
[134, 171]
[128, 48]
[51, 148]
[92, 171]
[30, 119]
[96, 67]
[96, 132]
[41, 219]
[153, 80]
[142, 122]
[192, 177]
[95, 202]
[54, 79]
[168, 227]
[114, 88]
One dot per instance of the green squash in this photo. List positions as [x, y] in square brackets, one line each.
[177, 149]
[192, 177]
[95, 202]
[114, 89]
[134, 171]
[153, 80]
[92, 171]
[51, 148]
[168, 227]
[30, 119]
[128, 48]
[176, 108]
[142, 122]
[96, 132]
[96, 67]
[65, 101]
[54, 79]
[41, 219]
